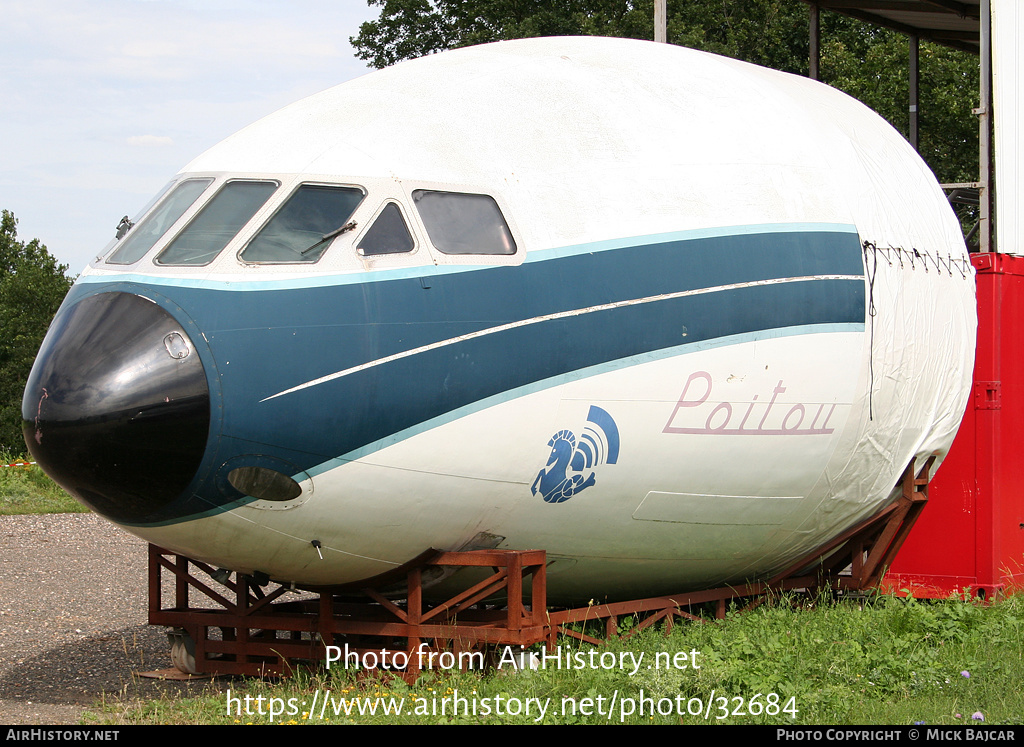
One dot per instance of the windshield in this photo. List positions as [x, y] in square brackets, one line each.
[217, 223]
[303, 228]
[145, 235]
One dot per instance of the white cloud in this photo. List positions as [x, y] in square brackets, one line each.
[149, 141]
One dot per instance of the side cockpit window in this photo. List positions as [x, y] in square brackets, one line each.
[216, 224]
[146, 234]
[460, 223]
[305, 225]
[389, 234]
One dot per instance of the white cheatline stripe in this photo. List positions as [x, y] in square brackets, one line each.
[547, 318]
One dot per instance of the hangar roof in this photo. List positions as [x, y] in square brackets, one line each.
[953, 23]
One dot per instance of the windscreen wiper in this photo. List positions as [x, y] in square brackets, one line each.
[328, 236]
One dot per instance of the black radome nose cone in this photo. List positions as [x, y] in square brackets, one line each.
[117, 408]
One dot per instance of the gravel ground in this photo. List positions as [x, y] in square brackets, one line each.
[73, 630]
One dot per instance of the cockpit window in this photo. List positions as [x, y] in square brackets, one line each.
[305, 225]
[459, 223]
[145, 235]
[217, 223]
[388, 235]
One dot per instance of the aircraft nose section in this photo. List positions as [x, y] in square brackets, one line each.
[117, 407]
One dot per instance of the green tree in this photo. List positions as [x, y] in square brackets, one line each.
[413, 28]
[32, 286]
[865, 61]
[767, 32]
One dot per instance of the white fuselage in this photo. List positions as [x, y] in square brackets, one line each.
[725, 309]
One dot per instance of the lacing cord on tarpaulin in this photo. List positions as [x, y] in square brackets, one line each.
[920, 258]
[871, 272]
[916, 259]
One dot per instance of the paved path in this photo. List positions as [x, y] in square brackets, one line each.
[73, 627]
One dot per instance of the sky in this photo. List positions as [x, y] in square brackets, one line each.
[102, 102]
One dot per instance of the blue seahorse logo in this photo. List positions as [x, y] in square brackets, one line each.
[572, 463]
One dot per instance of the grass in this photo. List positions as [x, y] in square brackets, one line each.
[26, 489]
[882, 660]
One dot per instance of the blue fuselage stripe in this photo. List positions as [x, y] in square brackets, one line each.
[396, 395]
[264, 342]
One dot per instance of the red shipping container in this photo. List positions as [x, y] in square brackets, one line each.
[970, 536]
